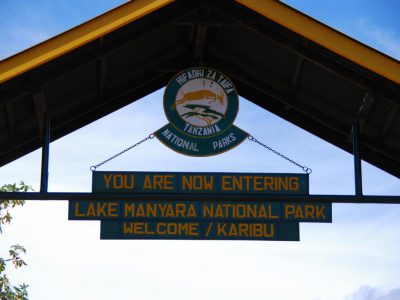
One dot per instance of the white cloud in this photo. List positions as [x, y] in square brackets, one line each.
[385, 39]
[370, 293]
[359, 247]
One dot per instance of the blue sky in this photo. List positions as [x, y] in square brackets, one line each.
[354, 258]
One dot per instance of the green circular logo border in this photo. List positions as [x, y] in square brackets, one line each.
[174, 118]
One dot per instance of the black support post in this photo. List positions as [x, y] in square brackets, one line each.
[44, 178]
[357, 159]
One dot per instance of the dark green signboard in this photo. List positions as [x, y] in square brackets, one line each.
[200, 219]
[201, 105]
[194, 230]
[244, 211]
[185, 182]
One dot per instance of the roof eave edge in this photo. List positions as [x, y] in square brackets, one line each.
[326, 37]
[76, 37]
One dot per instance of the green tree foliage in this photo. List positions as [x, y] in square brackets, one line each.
[7, 290]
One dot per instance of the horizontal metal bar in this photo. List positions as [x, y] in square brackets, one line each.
[203, 197]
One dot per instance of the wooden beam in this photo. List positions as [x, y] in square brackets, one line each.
[297, 70]
[40, 110]
[199, 44]
[365, 109]
[389, 121]
[102, 75]
[296, 76]
[208, 23]
[297, 73]
[10, 118]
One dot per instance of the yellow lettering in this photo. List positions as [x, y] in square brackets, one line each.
[180, 210]
[268, 182]
[226, 183]
[118, 181]
[140, 210]
[263, 212]
[194, 229]
[240, 211]
[289, 210]
[186, 183]
[208, 210]
[257, 230]
[208, 183]
[147, 230]
[257, 183]
[309, 211]
[162, 208]
[129, 184]
[91, 210]
[147, 183]
[243, 229]
[168, 184]
[107, 179]
[101, 211]
[269, 233]
[283, 182]
[112, 209]
[129, 210]
[252, 210]
[138, 228]
[232, 230]
[293, 183]
[270, 213]
[170, 211]
[197, 182]
[171, 228]
[248, 180]
[127, 228]
[151, 210]
[77, 213]
[299, 213]
[163, 226]
[191, 212]
[158, 180]
[237, 184]
[221, 229]
[320, 212]
[219, 212]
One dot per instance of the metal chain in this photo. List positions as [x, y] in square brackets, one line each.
[93, 168]
[304, 168]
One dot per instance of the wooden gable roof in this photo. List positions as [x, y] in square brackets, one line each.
[279, 58]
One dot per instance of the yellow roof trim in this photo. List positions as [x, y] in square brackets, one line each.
[76, 37]
[326, 37]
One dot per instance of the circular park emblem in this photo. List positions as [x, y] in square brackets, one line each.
[201, 105]
[201, 102]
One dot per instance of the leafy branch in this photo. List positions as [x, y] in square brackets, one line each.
[7, 290]
[5, 217]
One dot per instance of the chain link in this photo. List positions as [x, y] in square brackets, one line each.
[93, 168]
[304, 168]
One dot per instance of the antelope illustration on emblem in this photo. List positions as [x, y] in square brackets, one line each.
[200, 95]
